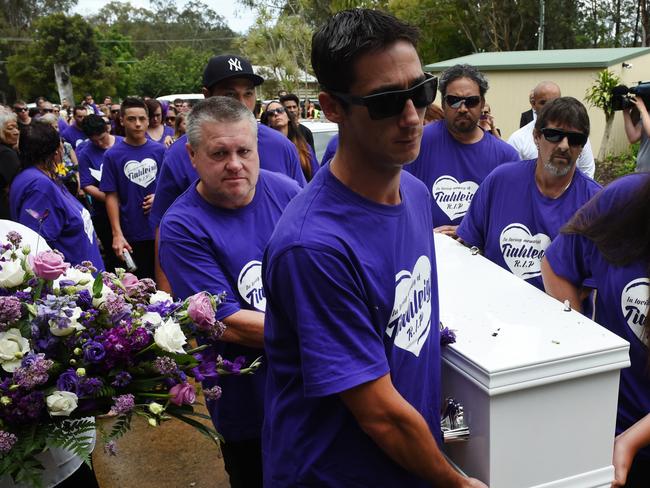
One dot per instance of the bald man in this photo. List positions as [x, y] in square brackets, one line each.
[522, 139]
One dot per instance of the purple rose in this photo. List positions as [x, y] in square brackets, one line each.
[94, 352]
[129, 281]
[200, 310]
[48, 265]
[68, 381]
[182, 393]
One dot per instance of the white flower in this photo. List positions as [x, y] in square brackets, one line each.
[11, 274]
[153, 318]
[105, 293]
[72, 327]
[160, 296]
[61, 403]
[84, 280]
[156, 408]
[169, 337]
[13, 347]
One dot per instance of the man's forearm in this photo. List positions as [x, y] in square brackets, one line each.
[113, 211]
[245, 327]
[95, 192]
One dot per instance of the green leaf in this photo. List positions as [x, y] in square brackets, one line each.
[98, 285]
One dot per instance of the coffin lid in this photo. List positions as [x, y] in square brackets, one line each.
[510, 335]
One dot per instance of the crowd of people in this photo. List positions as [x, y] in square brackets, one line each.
[310, 253]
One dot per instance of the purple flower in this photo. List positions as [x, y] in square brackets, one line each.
[110, 448]
[7, 441]
[233, 367]
[10, 311]
[165, 365]
[93, 352]
[123, 404]
[14, 237]
[447, 336]
[68, 381]
[213, 393]
[117, 308]
[84, 299]
[32, 371]
[88, 386]
[182, 394]
[49, 265]
[200, 310]
[121, 379]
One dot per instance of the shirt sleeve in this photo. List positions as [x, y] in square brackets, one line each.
[319, 293]
[571, 256]
[85, 178]
[191, 266]
[585, 161]
[109, 178]
[473, 227]
[167, 189]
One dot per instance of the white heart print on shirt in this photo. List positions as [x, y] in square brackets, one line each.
[410, 321]
[249, 284]
[634, 305]
[522, 251]
[453, 197]
[141, 172]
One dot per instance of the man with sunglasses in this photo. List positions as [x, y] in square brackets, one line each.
[351, 327]
[48, 108]
[456, 153]
[73, 134]
[520, 207]
[22, 113]
[523, 141]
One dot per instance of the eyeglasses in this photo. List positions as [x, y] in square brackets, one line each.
[275, 111]
[21, 109]
[170, 119]
[47, 110]
[557, 135]
[455, 102]
[390, 103]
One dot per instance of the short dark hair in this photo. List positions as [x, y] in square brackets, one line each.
[79, 108]
[566, 111]
[290, 97]
[20, 102]
[152, 104]
[177, 100]
[38, 144]
[132, 102]
[347, 36]
[94, 125]
[463, 71]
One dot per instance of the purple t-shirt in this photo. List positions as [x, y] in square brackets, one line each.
[621, 302]
[67, 227]
[167, 131]
[513, 222]
[132, 171]
[74, 135]
[453, 171]
[330, 149]
[349, 300]
[63, 125]
[203, 247]
[277, 154]
[91, 160]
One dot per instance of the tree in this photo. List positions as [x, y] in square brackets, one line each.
[599, 95]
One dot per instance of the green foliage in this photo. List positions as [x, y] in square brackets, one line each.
[615, 166]
[599, 94]
[76, 436]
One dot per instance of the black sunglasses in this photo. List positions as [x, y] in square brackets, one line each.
[47, 110]
[557, 135]
[390, 103]
[170, 118]
[276, 111]
[455, 102]
[21, 109]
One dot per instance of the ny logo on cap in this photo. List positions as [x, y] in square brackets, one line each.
[234, 64]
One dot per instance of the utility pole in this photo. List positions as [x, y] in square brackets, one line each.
[540, 32]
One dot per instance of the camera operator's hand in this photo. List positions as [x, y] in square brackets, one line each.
[639, 104]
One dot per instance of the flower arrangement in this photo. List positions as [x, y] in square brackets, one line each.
[75, 344]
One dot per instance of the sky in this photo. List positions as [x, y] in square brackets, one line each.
[237, 17]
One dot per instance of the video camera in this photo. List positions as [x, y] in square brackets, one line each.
[622, 95]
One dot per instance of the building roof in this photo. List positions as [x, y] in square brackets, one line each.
[551, 59]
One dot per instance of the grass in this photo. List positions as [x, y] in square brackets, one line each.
[613, 167]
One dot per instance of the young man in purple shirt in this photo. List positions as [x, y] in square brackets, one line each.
[520, 207]
[73, 133]
[456, 154]
[212, 238]
[129, 175]
[351, 328]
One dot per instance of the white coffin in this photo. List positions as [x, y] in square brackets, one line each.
[538, 384]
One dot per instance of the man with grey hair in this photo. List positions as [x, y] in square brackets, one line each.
[456, 153]
[520, 207]
[212, 238]
[9, 162]
[524, 143]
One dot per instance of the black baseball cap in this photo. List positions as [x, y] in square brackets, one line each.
[228, 66]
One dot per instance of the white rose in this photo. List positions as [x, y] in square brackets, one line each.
[106, 292]
[160, 296]
[153, 318]
[73, 326]
[169, 337]
[85, 280]
[61, 403]
[13, 347]
[11, 274]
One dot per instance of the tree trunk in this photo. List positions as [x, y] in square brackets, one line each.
[604, 144]
[64, 82]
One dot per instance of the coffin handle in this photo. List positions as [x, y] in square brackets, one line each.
[452, 424]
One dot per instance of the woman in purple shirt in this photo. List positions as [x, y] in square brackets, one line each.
[39, 200]
[609, 240]
[157, 131]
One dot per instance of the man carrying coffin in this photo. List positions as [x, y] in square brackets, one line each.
[212, 238]
[520, 207]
